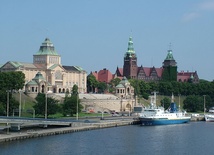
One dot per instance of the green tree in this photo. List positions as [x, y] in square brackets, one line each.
[74, 90]
[144, 89]
[70, 103]
[52, 105]
[70, 106]
[153, 86]
[208, 102]
[2, 109]
[91, 83]
[113, 83]
[135, 83]
[102, 86]
[10, 82]
[193, 103]
[165, 102]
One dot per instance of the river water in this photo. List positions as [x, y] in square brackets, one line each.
[184, 139]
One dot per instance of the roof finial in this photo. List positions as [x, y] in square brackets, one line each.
[170, 46]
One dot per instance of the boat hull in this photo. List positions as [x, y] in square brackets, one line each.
[209, 118]
[151, 121]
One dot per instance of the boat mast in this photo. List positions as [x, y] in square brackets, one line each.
[153, 99]
[179, 95]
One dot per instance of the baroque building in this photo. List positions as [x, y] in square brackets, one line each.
[46, 73]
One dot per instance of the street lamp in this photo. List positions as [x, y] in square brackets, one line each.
[179, 95]
[77, 107]
[8, 103]
[204, 103]
[121, 107]
[8, 109]
[20, 106]
[46, 103]
[102, 109]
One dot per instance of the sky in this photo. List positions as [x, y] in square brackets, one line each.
[94, 34]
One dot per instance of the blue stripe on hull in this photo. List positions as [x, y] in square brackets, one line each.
[163, 122]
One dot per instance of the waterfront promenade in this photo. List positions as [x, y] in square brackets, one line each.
[76, 127]
[34, 132]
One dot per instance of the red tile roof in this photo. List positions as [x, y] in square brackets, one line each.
[185, 76]
[121, 71]
[159, 71]
[148, 71]
[105, 75]
[95, 74]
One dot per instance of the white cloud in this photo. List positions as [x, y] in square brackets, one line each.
[199, 10]
[190, 16]
[209, 5]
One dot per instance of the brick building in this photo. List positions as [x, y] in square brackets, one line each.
[168, 70]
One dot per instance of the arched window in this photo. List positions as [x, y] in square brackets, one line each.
[128, 90]
[43, 88]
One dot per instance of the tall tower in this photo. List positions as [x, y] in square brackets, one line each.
[130, 61]
[170, 68]
[47, 55]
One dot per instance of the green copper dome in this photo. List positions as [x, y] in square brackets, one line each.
[169, 55]
[130, 46]
[130, 51]
[38, 77]
[124, 81]
[47, 48]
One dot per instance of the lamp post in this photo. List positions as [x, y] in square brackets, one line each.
[204, 103]
[102, 109]
[121, 107]
[7, 103]
[77, 108]
[33, 113]
[8, 110]
[46, 103]
[179, 95]
[46, 97]
[20, 103]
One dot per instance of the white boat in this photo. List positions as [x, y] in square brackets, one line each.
[209, 117]
[211, 109]
[157, 116]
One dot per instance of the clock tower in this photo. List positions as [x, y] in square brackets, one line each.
[170, 68]
[130, 61]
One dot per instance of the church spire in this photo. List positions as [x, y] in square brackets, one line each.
[169, 55]
[130, 46]
[169, 60]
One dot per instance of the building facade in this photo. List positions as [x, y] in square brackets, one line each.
[167, 72]
[46, 73]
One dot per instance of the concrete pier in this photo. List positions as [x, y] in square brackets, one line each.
[12, 136]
